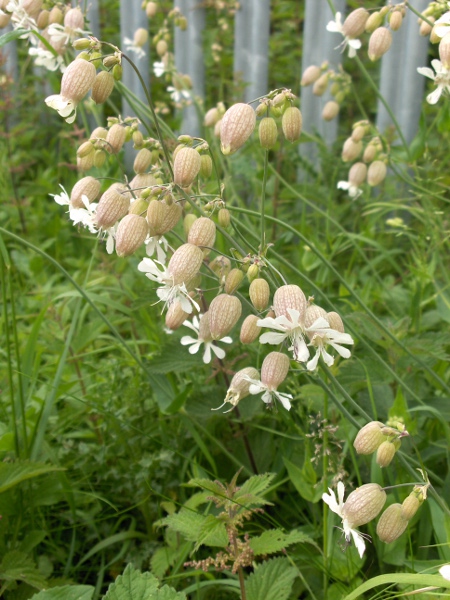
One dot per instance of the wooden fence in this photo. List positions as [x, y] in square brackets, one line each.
[400, 84]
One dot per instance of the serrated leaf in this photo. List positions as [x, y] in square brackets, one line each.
[11, 35]
[168, 593]
[134, 585]
[186, 522]
[251, 492]
[12, 474]
[271, 581]
[208, 485]
[212, 533]
[275, 540]
[18, 566]
[66, 592]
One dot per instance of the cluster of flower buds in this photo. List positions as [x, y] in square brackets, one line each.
[321, 78]
[372, 168]
[58, 26]
[383, 439]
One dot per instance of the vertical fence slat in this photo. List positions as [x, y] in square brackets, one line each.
[259, 49]
[241, 56]
[318, 45]
[400, 84]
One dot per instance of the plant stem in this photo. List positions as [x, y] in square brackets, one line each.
[263, 201]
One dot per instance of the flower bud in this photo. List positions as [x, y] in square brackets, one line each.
[291, 123]
[138, 207]
[310, 75]
[186, 166]
[211, 117]
[56, 16]
[379, 43]
[369, 438]
[370, 153]
[140, 37]
[376, 173]
[252, 272]
[162, 217]
[161, 47]
[89, 187]
[188, 221]
[175, 316]
[444, 51]
[330, 110]
[351, 150]
[86, 162]
[268, 132]
[185, 263]
[289, 296]
[202, 233]
[32, 7]
[364, 504]
[115, 138]
[239, 386]
[151, 9]
[224, 217]
[374, 21]
[113, 205]
[395, 20]
[206, 166]
[425, 28]
[236, 127]
[142, 161]
[141, 181]
[391, 524]
[233, 280]
[73, 19]
[335, 322]
[249, 330]
[410, 506]
[274, 369]
[358, 133]
[357, 174]
[259, 292]
[130, 234]
[77, 80]
[321, 84]
[385, 454]
[224, 313]
[220, 266]
[85, 149]
[42, 20]
[355, 24]
[102, 87]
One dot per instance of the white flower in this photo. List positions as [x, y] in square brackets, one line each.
[337, 27]
[179, 95]
[168, 292]
[268, 393]
[195, 343]
[445, 572]
[85, 216]
[292, 328]
[110, 235]
[45, 58]
[65, 107]
[322, 334]
[442, 25]
[63, 198]
[159, 68]
[441, 79]
[20, 19]
[133, 47]
[337, 506]
[353, 190]
[158, 244]
[61, 35]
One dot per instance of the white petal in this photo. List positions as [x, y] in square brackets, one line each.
[207, 354]
[272, 338]
[219, 352]
[343, 185]
[359, 542]
[434, 96]
[284, 399]
[344, 352]
[110, 244]
[328, 359]
[426, 71]
[187, 339]
[438, 66]
[341, 492]
[278, 324]
[312, 364]
[355, 44]
[195, 348]
[330, 499]
[301, 352]
[226, 340]
[445, 572]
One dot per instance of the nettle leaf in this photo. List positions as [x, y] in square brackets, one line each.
[18, 566]
[66, 592]
[206, 484]
[275, 540]
[252, 491]
[271, 581]
[12, 474]
[212, 533]
[187, 522]
[134, 585]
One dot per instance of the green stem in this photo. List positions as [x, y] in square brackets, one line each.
[325, 506]
[263, 202]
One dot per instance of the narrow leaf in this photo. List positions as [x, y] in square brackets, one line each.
[11, 35]
[66, 592]
[12, 474]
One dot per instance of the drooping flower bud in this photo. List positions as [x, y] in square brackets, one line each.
[359, 131]
[335, 321]
[75, 84]
[364, 504]
[425, 28]
[376, 173]
[224, 313]
[175, 316]
[162, 217]
[330, 110]
[151, 9]
[206, 166]
[259, 292]
[321, 84]
[115, 138]
[239, 386]
[395, 20]
[289, 296]
[385, 453]
[42, 19]
[142, 161]
[186, 166]
[224, 217]
[291, 123]
[102, 87]
[73, 19]
[203, 233]
[355, 24]
[379, 43]
[274, 369]
[140, 37]
[185, 263]
[233, 280]
[56, 16]
[32, 7]
[310, 75]
[221, 266]
[374, 21]
[351, 150]
[130, 234]
[391, 524]
[138, 207]
[211, 117]
[369, 438]
[268, 132]
[89, 187]
[161, 47]
[249, 330]
[113, 205]
[313, 312]
[444, 51]
[357, 174]
[236, 126]
[410, 506]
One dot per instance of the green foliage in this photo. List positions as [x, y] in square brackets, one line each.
[271, 581]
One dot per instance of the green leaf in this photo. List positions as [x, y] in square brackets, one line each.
[17, 566]
[212, 533]
[304, 480]
[271, 581]
[275, 540]
[11, 35]
[134, 585]
[66, 592]
[251, 492]
[400, 579]
[186, 522]
[12, 474]
[174, 358]
[206, 484]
